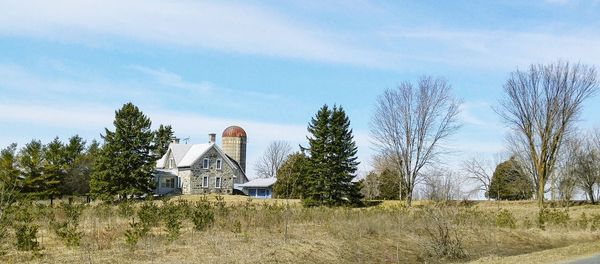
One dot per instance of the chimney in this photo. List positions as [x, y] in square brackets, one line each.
[175, 140]
[212, 138]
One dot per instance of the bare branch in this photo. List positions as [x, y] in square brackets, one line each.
[409, 123]
[273, 157]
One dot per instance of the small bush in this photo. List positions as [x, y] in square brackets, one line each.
[237, 227]
[25, 230]
[202, 215]
[149, 215]
[583, 221]
[172, 215]
[126, 209]
[67, 229]
[26, 237]
[444, 241]
[553, 216]
[136, 231]
[595, 222]
[505, 218]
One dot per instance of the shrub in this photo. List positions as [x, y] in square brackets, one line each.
[505, 218]
[136, 231]
[25, 230]
[237, 227]
[595, 220]
[443, 238]
[67, 229]
[172, 215]
[149, 215]
[126, 209]
[583, 221]
[26, 237]
[202, 215]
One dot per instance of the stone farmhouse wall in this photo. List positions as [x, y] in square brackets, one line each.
[191, 179]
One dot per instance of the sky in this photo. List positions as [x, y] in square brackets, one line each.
[267, 66]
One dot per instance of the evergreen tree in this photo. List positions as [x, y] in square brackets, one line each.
[31, 162]
[332, 160]
[78, 166]
[9, 178]
[389, 185]
[343, 159]
[317, 189]
[54, 169]
[291, 181]
[509, 182]
[163, 138]
[125, 164]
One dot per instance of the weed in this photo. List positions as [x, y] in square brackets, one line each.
[505, 218]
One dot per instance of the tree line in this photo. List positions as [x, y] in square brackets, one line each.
[121, 166]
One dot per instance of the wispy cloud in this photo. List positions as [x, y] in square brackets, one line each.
[171, 79]
[226, 26]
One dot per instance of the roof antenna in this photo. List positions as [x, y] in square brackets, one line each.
[186, 140]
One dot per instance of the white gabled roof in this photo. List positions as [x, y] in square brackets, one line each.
[187, 154]
[268, 182]
[194, 153]
[177, 150]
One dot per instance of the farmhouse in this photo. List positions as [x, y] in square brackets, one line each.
[204, 168]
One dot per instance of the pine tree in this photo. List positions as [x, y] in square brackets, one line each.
[333, 160]
[318, 171]
[343, 160]
[31, 164]
[9, 178]
[54, 169]
[126, 161]
[164, 136]
[76, 182]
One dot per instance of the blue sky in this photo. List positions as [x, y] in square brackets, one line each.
[66, 65]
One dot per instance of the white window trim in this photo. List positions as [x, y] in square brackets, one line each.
[219, 164]
[207, 181]
[220, 181]
[171, 163]
[207, 162]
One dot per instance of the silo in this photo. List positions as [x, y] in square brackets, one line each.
[234, 144]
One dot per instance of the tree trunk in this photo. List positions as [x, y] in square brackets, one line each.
[591, 194]
[541, 194]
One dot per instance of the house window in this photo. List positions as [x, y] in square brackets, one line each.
[218, 182]
[171, 163]
[168, 183]
[205, 163]
[205, 182]
[218, 164]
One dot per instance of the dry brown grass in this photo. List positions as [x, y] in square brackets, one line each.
[387, 233]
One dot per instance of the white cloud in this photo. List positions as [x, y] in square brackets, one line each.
[171, 79]
[225, 26]
[494, 49]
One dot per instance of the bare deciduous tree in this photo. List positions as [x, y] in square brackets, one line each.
[410, 123]
[441, 185]
[479, 171]
[541, 106]
[273, 157]
[584, 164]
[370, 186]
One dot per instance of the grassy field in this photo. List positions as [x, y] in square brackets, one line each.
[282, 231]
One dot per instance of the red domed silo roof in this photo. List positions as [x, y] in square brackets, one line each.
[234, 131]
